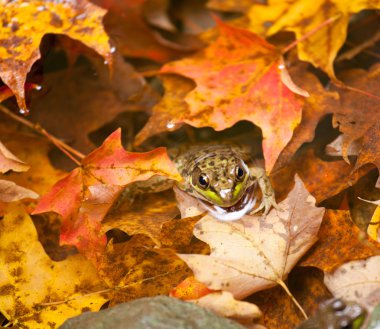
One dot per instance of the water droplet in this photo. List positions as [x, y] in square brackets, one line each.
[23, 111]
[281, 66]
[105, 62]
[170, 125]
[38, 87]
[112, 50]
[41, 8]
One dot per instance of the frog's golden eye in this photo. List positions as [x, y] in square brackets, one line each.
[239, 173]
[200, 179]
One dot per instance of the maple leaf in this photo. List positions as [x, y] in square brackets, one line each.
[36, 291]
[254, 253]
[357, 280]
[240, 77]
[326, 19]
[9, 161]
[338, 229]
[84, 197]
[9, 191]
[26, 22]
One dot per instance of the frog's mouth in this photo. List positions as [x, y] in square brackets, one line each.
[235, 212]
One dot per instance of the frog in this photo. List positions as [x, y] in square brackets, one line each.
[335, 313]
[223, 178]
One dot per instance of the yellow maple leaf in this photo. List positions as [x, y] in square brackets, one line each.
[37, 292]
[309, 16]
[26, 22]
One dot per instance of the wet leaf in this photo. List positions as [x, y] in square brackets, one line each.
[26, 22]
[357, 280]
[241, 77]
[37, 292]
[256, 253]
[85, 196]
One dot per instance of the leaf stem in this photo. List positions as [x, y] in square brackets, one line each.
[284, 286]
[66, 149]
[310, 33]
[340, 84]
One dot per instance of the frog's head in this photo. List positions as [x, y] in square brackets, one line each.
[219, 180]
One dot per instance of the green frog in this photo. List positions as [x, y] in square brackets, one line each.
[223, 180]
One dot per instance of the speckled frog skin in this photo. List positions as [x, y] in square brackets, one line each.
[222, 179]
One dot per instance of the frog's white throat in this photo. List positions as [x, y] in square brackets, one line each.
[244, 206]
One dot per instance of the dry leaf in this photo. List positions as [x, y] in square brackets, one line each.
[357, 281]
[256, 253]
[9, 192]
[9, 161]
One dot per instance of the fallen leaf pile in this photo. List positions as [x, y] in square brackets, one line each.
[98, 97]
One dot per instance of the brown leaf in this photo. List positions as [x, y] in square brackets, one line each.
[138, 269]
[278, 309]
[9, 192]
[146, 215]
[316, 106]
[80, 101]
[9, 161]
[358, 112]
[357, 280]
[256, 253]
[340, 241]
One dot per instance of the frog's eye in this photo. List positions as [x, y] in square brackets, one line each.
[203, 181]
[239, 173]
[200, 179]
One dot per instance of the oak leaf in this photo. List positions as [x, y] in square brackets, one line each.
[324, 22]
[338, 229]
[85, 196]
[241, 77]
[357, 280]
[37, 292]
[256, 253]
[26, 22]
